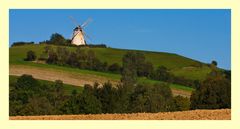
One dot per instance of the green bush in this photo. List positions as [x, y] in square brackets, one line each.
[181, 103]
[31, 56]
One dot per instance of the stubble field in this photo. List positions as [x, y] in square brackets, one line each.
[220, 114]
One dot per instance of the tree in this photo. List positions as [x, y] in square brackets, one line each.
[214, 63]
[107, 96]
[151, 98]
[115, 68]
[31, 56]
[89, 104]
[72, 105]
[57, 39]
[162, 74]
[129, 73]
[52, 58]
[181, 103]
[26, 82]
[62, 54]
[72, 60]
[214, 93]
[139, 98]
[37, 105]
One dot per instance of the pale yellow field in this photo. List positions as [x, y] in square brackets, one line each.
[220, 114]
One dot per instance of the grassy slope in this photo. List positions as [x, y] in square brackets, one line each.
[180, 66]
[67, 88]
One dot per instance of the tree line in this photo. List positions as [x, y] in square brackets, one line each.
[30, 97]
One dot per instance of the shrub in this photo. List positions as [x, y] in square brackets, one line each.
[57, 39]
[115, 68]
[181, 103]
[31, 56]
[213, 93]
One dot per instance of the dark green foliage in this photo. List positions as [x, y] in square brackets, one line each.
[129, 73]
[62, 54]
[27, 97]
[161, 74]
[52, 57]
[139, 99]
[151, 98]
[89, 104]
[214, 63]
[57, 39]
[213, 93]
[107, 96]
[78, 59]
[181, 103]
[31, 56]
[21, 43]
[37, 105]
[146, 69]
[72, 60]
[72, 105]
[115, 68]
[227, 74]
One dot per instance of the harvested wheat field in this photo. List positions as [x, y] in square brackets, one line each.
[221, 114]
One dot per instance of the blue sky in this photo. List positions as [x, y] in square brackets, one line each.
[203, 35]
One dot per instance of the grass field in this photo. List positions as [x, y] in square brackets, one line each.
[67, 87]
[178, 65]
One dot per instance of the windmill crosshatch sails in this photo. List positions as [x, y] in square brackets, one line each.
[79, 34]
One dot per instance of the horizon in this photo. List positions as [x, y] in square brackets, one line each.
[195, 29]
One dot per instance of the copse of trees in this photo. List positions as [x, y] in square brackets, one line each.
[31, 56]
[214, 92]
[30, 97]
[57, 39]
[79, 59]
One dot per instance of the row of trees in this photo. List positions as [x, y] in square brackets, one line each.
[28, 96]
[79, 59]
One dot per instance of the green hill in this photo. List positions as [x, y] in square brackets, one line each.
[178, 65]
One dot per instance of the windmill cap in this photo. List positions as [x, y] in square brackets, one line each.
[77, 28]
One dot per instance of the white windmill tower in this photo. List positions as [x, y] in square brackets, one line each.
[79, 34]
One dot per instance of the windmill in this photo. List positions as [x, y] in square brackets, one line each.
[79, 35]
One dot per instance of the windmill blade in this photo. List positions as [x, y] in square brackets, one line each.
[85, 35]
[74, 21]
[86, 22]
